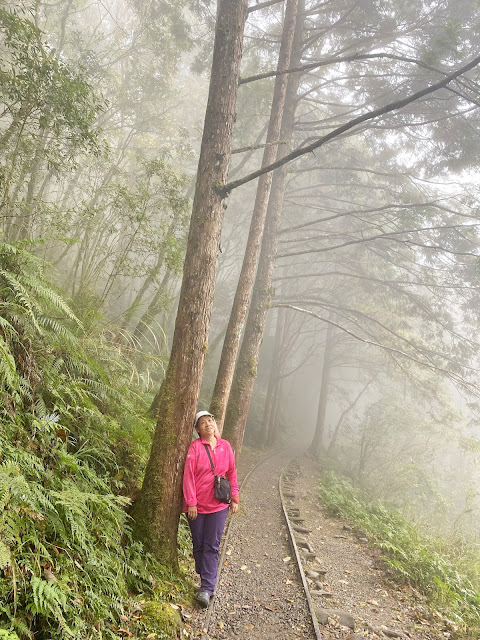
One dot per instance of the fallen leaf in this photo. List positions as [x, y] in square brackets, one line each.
[243, 567]
[287, 559]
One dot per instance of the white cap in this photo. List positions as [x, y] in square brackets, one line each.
[199, 414]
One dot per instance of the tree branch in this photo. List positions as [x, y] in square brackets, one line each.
[393, 106]
[328, 61]
[258, 146]
[384, 236]
[450, 374]
[262, 5]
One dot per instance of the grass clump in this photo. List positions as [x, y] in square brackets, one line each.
[449, 580]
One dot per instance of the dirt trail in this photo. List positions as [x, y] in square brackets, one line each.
[259, 595]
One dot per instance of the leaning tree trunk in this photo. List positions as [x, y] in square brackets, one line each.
[238, 314]
[316, 446]
[158, 506]
[246, 369]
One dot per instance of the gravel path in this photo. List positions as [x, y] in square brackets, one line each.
[259, 596]
[356, 582]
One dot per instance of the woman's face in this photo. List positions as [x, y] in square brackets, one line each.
[206, 427]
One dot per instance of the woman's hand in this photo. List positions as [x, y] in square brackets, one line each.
[192, 512]
[233, 507]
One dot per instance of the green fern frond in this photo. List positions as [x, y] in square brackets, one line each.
[5, 556]
[49, 599]
[29, 305]
[8, 370]
[6, 634]
[44, 291]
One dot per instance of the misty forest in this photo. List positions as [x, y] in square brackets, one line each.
[269, 210]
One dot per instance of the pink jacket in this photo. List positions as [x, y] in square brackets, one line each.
[198, 476]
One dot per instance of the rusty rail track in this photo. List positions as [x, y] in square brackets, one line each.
[291, 534]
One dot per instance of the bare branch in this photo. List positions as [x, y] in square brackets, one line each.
[393, 106]
[450, 374]
[258, 146]
[386, 236]
[328, 61]
[262, 5]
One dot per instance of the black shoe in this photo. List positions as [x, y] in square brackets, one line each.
[203, 599]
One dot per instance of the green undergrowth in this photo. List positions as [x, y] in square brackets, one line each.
[74, 437]
[449, 578]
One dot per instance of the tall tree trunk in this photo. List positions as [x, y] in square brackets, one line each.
[317, 444]
[156, 305]
[273, 381]
[276, 405]
[333, 439]
[149, 280]
[24, 221]
[238, 314]
[158, 506]
[246, 369]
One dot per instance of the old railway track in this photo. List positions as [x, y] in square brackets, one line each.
[262, 591]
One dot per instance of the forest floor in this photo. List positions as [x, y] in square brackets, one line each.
[259, 595]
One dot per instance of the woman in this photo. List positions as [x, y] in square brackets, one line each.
[207, 515]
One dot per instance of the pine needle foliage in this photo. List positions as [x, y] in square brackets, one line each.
[448, 579]
[74, 436]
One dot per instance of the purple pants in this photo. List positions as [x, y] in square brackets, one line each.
[207, 530]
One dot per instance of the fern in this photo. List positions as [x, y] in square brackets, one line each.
[49, 599]
[5, 557]
[74, 434]
[8, 635]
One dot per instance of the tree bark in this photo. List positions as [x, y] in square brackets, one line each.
[156, 511]
[333, 439]
[274, 382]
[243, 293]
[246, 370]
[316, 446]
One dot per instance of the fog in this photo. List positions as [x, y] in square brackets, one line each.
[369, 357]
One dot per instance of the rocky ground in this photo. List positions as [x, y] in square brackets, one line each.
[259, 595]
